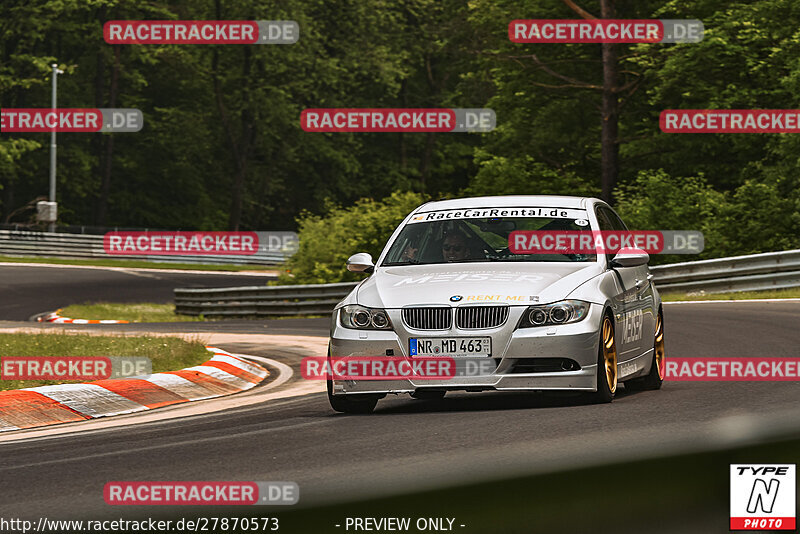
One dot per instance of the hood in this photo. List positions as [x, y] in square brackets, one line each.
[465, 283]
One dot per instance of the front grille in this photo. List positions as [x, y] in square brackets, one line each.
[438, 318]
[477, 317]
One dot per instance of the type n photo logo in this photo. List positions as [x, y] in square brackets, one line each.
[763, 497]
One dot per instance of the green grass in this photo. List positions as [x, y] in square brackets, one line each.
[743, 295]
[137, 312]
[137, 264]
[165, 353]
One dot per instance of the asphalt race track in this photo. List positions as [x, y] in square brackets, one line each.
[28, 290]
[406, 444]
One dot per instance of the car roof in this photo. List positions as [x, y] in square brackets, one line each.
[509, 201]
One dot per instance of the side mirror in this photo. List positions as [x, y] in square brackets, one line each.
[360, 263]
[630, 257]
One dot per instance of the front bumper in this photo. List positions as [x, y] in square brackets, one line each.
[577, 341]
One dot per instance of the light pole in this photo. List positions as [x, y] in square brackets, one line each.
[56, 72]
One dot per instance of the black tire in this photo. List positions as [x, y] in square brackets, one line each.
[429, 394]
[655, 377]
[353, 403]
[361, 403]
[606, 368]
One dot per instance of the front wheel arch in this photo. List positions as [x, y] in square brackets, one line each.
[607, 374]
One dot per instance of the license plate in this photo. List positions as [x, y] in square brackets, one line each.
[450, 346]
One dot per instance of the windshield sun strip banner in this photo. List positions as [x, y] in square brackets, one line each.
[481, 213]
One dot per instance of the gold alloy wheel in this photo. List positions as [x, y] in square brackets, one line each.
[610, 355]
[659, 347]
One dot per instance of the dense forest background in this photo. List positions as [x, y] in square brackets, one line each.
[222, 146]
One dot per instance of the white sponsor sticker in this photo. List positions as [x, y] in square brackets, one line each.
[482, 213]
[466, 277]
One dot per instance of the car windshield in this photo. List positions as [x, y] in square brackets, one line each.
[425, 242]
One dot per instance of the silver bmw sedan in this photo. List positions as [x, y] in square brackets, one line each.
[452, 283]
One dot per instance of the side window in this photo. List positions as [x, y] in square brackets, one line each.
[604, 220]
[616, 222]
[609, 220]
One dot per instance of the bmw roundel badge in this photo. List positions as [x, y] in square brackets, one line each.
[456, 298]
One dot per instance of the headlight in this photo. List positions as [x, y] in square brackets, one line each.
[362, 318]
[566, 311]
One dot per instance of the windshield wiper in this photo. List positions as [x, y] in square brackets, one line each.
[398, 263]
[475, 260]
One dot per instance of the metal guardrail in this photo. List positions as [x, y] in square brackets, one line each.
[773, 270]
[261, 301]
[754, 272]
[86, 246]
